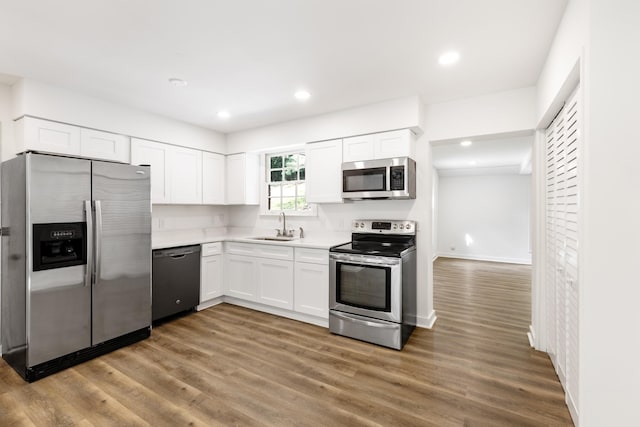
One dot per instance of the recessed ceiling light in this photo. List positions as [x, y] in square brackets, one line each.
[449, 58]
[472, 163]
[223, 114]
[466, 143]
[302, 95]
[177, 82]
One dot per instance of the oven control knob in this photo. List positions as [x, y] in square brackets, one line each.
[401, 226]
[408, 226]
[395, 226]
[355, 225]
[362, 225]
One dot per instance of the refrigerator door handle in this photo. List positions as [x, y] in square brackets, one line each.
[88, 211]
[98, 242]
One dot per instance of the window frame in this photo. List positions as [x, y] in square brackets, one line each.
[265, 159]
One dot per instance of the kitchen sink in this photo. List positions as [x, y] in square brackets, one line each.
[273, 238]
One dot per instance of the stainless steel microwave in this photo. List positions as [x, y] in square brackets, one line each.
[379, 179]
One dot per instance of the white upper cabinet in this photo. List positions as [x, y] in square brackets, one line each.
[185, 175]
[104, 145]
[213, 178]
[242, 184]
[155, 155]
[383, 145]
[324, 171]
[59, 138]
[358, 148]
[176, 172]
[48, 137]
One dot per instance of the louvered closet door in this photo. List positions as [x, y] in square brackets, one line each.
[571, 245]
[562, 210]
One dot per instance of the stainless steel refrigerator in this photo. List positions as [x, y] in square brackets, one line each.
[76, 260]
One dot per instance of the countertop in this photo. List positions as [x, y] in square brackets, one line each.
[168, 239]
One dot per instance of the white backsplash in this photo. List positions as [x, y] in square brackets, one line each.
[187, 217]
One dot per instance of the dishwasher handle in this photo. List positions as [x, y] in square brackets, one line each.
[176, 253]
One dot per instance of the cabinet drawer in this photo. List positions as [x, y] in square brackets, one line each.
[274, 252]
[313, 256]
[239, 248]
[209, 249]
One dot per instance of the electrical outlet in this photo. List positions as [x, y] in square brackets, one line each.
[453, 248]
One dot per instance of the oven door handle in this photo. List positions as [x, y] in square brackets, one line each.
[363, 322]
[366, 259]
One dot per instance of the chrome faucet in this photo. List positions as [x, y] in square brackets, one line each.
[283, 232]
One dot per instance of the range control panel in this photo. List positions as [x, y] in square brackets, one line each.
[383, 226]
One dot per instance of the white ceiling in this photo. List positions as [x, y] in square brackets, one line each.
[495, 155]
[249, 56]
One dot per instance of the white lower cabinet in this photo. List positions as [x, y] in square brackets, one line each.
[275, 282]
[260, 273]
[279, 276]
[311, 284]
[240, 276]
[211, 272]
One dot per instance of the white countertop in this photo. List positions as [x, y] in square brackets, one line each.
[168, 239]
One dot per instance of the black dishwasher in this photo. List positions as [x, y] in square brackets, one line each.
[176, 280]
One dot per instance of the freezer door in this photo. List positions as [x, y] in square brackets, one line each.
[122, 284]
[59, 299]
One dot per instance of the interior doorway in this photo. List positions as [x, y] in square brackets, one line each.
[482, 220]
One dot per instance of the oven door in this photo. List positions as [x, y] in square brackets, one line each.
[366, 285]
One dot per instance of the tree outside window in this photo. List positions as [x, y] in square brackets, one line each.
[286, 183]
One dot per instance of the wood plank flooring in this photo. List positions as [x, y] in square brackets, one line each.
[232, 366]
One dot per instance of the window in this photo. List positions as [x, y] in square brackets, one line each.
[285, 183]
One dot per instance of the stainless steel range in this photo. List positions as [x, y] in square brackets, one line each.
[372, 293]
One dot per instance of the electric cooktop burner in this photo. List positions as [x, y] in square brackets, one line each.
[381, 238]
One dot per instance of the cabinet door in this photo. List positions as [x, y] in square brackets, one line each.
[235, 179]
[275, 283]
[312, 289]
[48, 137]
[358, 148]
[156, 155]
[240, 276]
[211, 277]
[213, 178]
[186, 175]
[242, 182]
[398, 143]
[104, 145]
[324, 171]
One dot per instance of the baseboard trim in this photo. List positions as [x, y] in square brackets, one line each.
[573, 409]
[301, 317]
[486, 258]
[427, 322]
[532, 336]
[210, 303]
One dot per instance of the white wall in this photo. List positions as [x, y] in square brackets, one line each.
[610, 343]
[435, 184]
[395, 114]
[598, 35]
[568, 47]
[493, 210]
[55, 103]
[6, 125]
[499, 113]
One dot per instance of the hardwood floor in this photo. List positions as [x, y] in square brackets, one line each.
[232, 366]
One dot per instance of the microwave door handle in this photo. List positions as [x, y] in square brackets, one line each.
[88, 211]
[98, 244]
